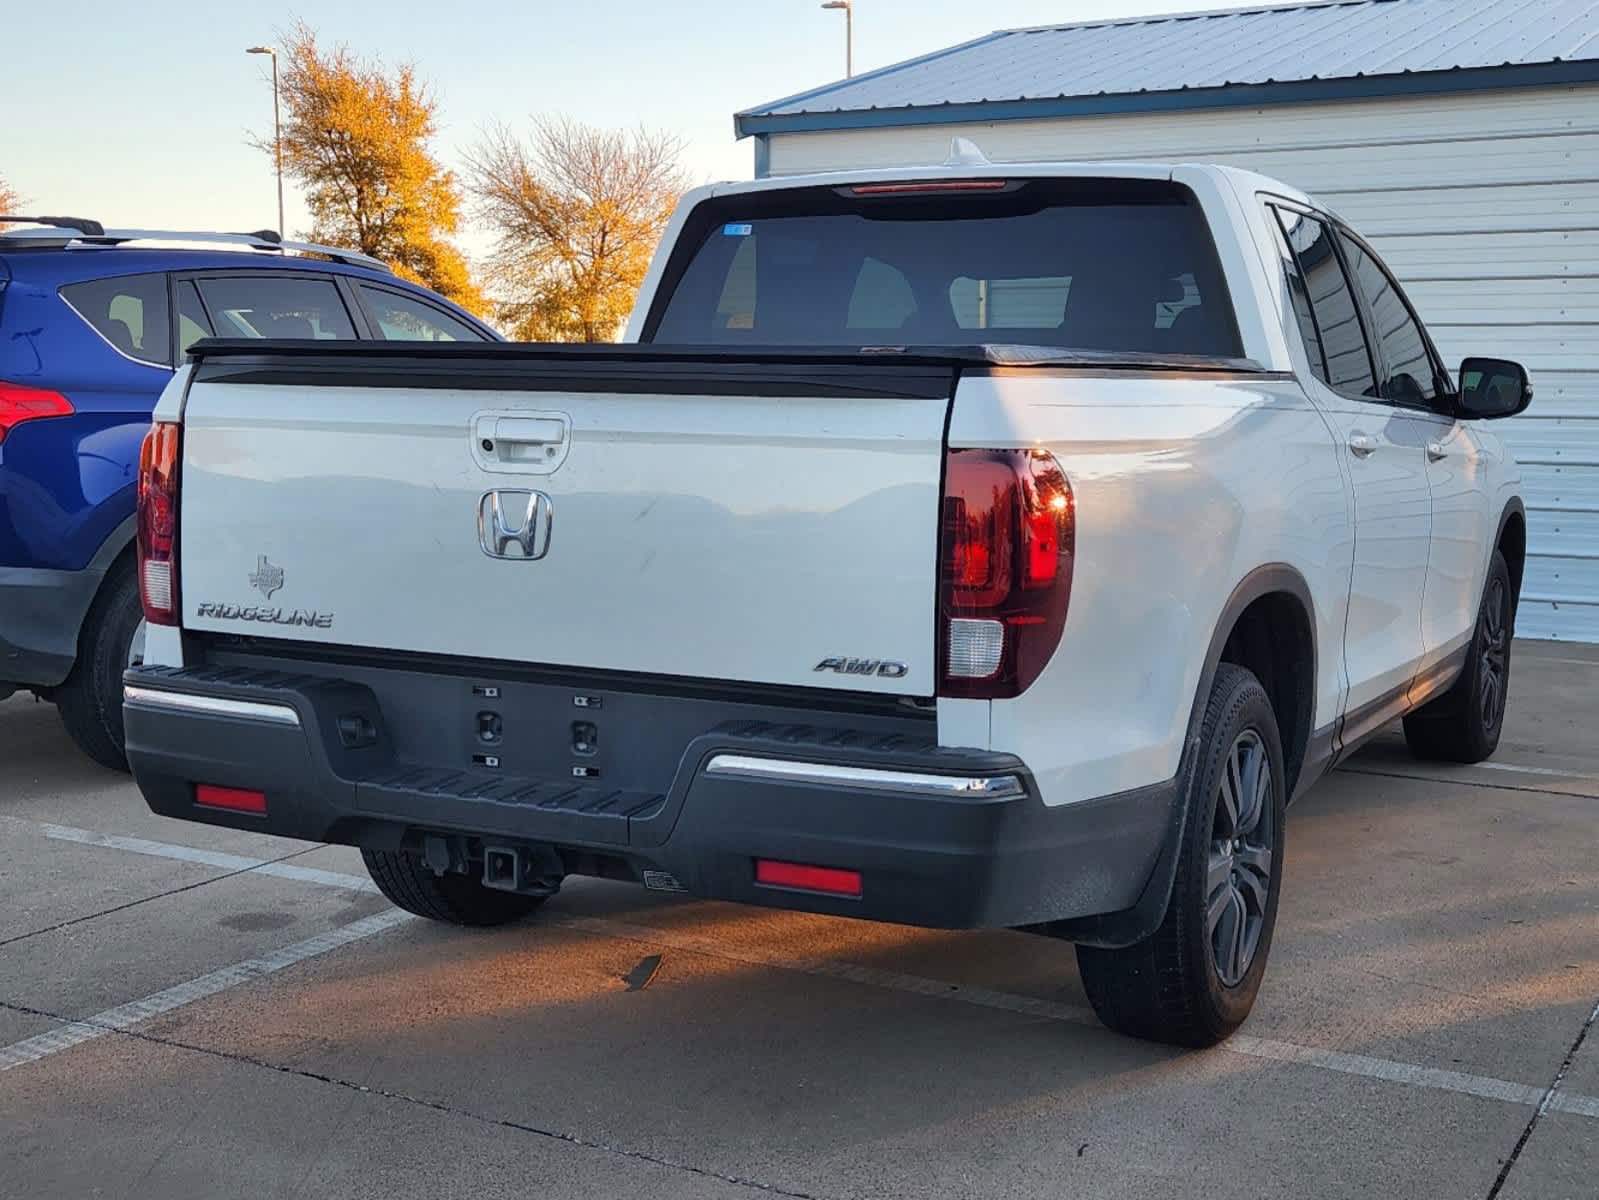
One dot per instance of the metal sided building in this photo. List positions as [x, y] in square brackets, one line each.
[1461, 136]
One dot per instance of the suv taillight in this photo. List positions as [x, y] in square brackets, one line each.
[1008, 541]
[158, 524]
[19, 404]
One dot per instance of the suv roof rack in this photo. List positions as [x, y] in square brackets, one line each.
[79, 233]
[81, 224]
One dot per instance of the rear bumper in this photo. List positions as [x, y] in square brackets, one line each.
[944, 838]
[41, 615]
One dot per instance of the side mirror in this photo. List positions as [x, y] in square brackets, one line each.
[1491, 388]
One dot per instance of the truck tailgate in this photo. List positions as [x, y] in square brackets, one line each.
[616, 508]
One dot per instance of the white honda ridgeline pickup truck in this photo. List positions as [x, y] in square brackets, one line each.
[966, 546]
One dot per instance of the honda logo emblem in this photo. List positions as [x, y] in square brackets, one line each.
[514, 524]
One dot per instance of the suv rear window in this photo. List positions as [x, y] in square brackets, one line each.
[129, 311]
[1103, 265]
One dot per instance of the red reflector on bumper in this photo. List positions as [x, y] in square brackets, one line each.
[232, 799]
[833, 881]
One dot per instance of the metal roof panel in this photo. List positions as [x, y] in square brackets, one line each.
[1342, 39]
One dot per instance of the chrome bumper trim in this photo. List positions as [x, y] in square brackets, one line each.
[995, 787]
[214, 706]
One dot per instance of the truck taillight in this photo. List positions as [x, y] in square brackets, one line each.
[19, 403]
[1009, 535]
[158, 524]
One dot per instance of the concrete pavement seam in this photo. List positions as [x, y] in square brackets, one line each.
[1549, 1097]
[1474, 783]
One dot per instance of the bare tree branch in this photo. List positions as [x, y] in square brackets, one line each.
[577, 213]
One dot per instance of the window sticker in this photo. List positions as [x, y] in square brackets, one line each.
[737, 230]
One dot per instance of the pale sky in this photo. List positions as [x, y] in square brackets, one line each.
[136, 115]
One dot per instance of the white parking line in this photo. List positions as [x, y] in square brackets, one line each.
[1518, 770]
[1338, 1062]
[1411, 1075]
[209, 858]
[124, 1016]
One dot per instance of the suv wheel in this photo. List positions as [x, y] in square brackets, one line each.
[1463, 725]
[1193, 981]
[90, 701]
[453, 898]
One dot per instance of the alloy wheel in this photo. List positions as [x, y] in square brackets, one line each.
[1494, 654]
[1238, 875]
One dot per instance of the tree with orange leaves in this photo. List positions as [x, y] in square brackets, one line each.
[357, 139]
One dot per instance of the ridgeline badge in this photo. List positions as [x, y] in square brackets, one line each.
[266, 578]
[305, 618]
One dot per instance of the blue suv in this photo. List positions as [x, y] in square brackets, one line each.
[91, 324]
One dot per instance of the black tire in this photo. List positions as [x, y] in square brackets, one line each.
[1463, 725]
[454, 898]
[90, 701]
[1169, 987]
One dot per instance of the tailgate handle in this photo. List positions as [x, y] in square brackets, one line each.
[529, 431]
[526, 443]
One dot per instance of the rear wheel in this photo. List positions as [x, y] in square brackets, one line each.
[1194, 980]
[1463, 725]
[453, 898]
[90, 701]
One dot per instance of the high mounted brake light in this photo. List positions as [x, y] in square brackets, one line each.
[19, 404]
[1008, 543]
[930, 187]
[158, 524]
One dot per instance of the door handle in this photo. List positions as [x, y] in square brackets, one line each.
[1362, 446]
[1436, 452]
[530, 431]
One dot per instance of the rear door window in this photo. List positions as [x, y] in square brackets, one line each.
[1098, 264]
[275, 306]
[193, 323]
[129, 311]
[1407, 367]
[403, 318]
[1298, 294]
[1337, 318]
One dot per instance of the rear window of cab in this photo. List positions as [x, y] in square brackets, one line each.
[1097, 265]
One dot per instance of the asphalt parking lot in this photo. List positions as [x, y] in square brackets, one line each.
[195, 1012]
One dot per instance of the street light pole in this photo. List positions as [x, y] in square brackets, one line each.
[277, 127]
[848, 7]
